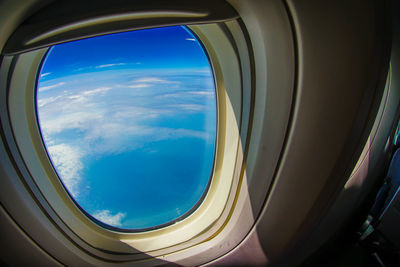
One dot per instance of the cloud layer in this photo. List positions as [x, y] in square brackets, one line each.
[67, 161]
[92, 117]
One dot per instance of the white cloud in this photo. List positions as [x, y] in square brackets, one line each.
[188, 107]
[139, 112]
[190, 39]
[203, 71]
[169, 133]
[68, 101]
[100, 90]
[115, 131]
[76, 97]
[73, 120]
[107, 217]
[45, 88]
[140, 85]
[68, 163]
[204, 93]
[149, 81]
[45, 101]
[45, 74]
[83, 97]
[173, 95]
[186, 94]
[153, 80]
[109, 65]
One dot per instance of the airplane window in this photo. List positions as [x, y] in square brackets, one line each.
[129, 122]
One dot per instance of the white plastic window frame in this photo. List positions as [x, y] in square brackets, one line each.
[254, 66]
[225, 64]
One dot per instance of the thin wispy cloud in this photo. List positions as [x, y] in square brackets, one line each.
[150, 81]
[188, 94]
[204, 71]
[45, 101]
[140, 112]
[66, 97]
[154, 80]
[140, 85]
[202, 93]
[190, 39]
[109, 65]
[107, 217]
[188, 107]
[170, 133]
[45, 88]
[45, 74]
[97, 91]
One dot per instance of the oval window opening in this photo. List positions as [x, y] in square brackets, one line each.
[129, 121]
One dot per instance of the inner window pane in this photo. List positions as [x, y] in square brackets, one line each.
[129, 122]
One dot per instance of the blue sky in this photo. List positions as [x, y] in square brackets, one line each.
[129, 121]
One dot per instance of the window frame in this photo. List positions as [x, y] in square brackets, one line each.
[28, 138]
[262, 118]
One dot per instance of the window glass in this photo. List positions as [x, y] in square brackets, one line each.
[129, 123]
[396, 135]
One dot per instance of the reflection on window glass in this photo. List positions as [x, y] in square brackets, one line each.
[397, 135]
[129, 123]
